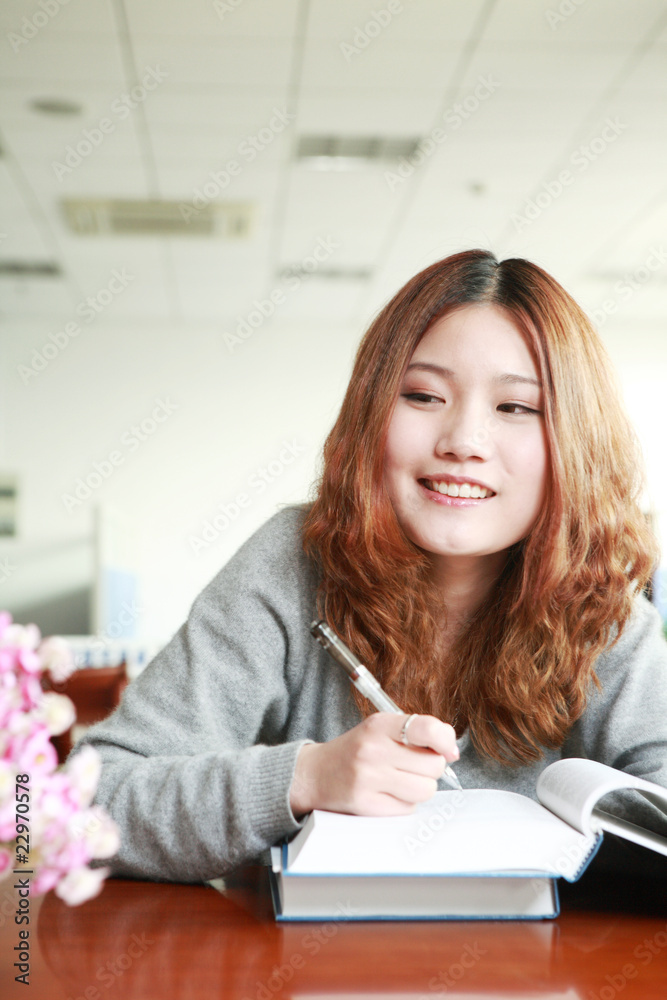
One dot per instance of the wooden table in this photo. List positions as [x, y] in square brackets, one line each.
[147, 940]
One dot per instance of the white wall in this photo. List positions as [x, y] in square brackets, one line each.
[227, 417]
[232, 415]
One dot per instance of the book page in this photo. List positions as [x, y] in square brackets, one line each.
[570, 788]
[629, 831]
[477, 831]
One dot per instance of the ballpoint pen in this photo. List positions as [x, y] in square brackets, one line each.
[363, 679]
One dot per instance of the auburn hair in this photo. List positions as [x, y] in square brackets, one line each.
[520, 671]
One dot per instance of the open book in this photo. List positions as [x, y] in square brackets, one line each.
[478, 853]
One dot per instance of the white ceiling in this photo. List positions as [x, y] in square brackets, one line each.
[557, 80]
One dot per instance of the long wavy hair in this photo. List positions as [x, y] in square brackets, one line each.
[520, 671]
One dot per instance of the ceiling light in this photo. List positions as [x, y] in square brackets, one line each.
[327, 273]
[155, 217]
[56, 106]
[331, 152]
[29, 269]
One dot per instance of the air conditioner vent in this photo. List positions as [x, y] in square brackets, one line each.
[138, 217]
[30, 269]
[370, 149]
[326, 273]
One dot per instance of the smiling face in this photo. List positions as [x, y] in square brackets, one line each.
[465, 462]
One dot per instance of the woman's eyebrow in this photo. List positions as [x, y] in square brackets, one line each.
[509, 377]
[506, 378]
[426, 366]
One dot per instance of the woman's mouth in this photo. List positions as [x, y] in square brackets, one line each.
[466, 490]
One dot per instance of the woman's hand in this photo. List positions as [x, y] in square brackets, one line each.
[369, 772]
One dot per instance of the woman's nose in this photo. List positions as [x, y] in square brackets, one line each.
[466, 432]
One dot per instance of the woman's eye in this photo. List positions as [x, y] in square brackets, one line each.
[422, 397]
[516, 408]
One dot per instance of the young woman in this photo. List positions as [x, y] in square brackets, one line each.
[475, 539]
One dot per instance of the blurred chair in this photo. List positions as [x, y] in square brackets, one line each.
[95, 691]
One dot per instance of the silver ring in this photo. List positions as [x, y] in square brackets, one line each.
[403, 735]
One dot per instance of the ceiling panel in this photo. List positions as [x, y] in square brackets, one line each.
[221, 62]
[383, 67]
[227, 71]
[402, 112]
[65, 59]
[425, 21]
[589, 22]
[581, 67]
[207, 18]
[205, 109]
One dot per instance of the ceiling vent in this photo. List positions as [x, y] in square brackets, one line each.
[29, 269]
[335, 152]
[635, 276]
[302, 270]
[123, 217]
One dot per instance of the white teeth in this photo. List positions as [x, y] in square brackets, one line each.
[463, 490]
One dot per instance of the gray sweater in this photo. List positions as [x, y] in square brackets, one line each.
[198, 758]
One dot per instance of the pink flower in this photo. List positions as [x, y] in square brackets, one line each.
[99, 832]
[37, 754]
[30, 661]
[7, 829]
[22, 636]
[5, 862]
[64, 833]
[84, 771]
[81, 884]
[7, 659]
[31, 690]
[19, 726]
[71, 854]
[56, 657]
[46, 878]
[58, 711]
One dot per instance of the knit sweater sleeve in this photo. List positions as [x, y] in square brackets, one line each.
[625, 722]
[198, 759]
